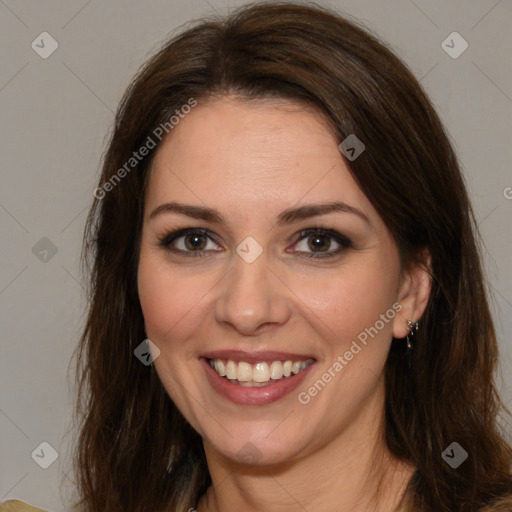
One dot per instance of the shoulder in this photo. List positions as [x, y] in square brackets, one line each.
[18, 506]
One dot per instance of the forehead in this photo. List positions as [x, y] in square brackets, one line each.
[230, 154]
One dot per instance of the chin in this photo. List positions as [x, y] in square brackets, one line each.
[252, 450]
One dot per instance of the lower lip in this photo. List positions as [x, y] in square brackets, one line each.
[253, 395]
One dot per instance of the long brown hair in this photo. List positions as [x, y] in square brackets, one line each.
[129, 427]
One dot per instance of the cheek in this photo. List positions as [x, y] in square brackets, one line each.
[351, 299]
[164, 298]
[154, 296]
[170, 307]
[174, 301]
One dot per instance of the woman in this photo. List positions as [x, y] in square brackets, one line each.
[288, 310]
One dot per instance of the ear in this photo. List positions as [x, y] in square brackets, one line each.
[413, 293]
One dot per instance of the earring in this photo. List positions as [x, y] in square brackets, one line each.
[413, 329]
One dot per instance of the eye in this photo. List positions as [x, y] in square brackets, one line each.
[319, 241]
[312, 243]
[188, 242]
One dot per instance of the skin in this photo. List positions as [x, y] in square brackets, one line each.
[250, 162]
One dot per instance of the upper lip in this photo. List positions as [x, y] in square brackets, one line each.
[255, 357]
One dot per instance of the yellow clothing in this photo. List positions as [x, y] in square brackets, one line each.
[18, 506]
[503, 505]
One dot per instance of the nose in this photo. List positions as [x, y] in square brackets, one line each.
[252, 298]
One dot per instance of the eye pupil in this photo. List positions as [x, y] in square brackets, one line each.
[317, 242]
[196, 243]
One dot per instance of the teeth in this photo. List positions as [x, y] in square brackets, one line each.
[276, 370]
[244, 372]
[260, 373]
[231, 370]
[220, 368]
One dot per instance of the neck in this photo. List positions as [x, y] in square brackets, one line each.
[354, 472]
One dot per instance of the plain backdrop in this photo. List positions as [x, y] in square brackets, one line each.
[56, 114]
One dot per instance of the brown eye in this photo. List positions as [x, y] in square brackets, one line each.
[195, 242]
[189, 242]
[320, 242]
[317, 242]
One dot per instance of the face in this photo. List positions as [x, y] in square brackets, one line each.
[296, 304]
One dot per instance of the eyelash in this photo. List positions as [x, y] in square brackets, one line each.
[171, 237]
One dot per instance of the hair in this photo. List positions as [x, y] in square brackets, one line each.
[444, 392]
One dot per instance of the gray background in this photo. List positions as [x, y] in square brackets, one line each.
[56, 113]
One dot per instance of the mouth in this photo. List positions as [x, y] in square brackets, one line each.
[260, 374]
[255, 379]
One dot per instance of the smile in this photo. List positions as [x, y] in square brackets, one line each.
[257, 375]
[255, 378]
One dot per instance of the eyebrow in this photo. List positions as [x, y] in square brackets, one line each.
[288, 216]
